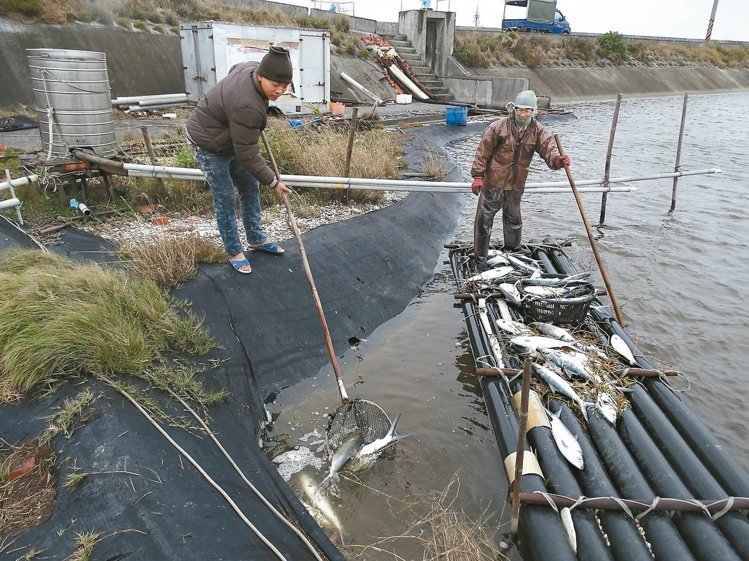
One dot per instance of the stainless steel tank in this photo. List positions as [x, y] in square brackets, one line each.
[73, 101]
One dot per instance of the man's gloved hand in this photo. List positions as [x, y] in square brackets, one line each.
[562, 161]
[478, 183]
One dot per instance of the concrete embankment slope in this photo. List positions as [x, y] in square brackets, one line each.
[574, 84]
[148, 63]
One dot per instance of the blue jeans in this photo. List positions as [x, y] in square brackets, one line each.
[227, 177]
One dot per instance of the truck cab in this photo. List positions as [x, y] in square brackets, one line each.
[539, 16]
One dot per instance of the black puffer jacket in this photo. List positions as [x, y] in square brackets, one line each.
[230, 118]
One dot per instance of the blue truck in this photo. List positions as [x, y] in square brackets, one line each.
[541, 16]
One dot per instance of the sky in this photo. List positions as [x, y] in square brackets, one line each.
[661, 18]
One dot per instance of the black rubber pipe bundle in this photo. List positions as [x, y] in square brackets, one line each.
[703, 537]
[664, 538]
[697, 478]
[625, 540]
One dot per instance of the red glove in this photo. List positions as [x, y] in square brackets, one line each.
[562, 161]
[478, 183]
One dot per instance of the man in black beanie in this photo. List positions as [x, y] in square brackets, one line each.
[225, 128]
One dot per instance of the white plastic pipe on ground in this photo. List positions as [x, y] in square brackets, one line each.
[150, 99]
[361, 88]
[18, 182]
[406, 81]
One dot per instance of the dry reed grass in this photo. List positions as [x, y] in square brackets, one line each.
[170, 262]
[445, 532]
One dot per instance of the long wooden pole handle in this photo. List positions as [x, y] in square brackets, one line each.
[589, 230]
[310, 279]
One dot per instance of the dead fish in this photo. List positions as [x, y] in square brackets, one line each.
[569, 527]
[621, 347]
[511, 327]
[556, 281]
[606, 405]
[348, 448]
[376, 446]
[560, 386]
[511, 293]
[533, 343]
[572, 364]
[553, 331]
[566, 441]
[497, 260]
[492, 274]
[545, 291]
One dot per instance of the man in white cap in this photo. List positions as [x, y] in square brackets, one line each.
[225, 126]
[500, 169]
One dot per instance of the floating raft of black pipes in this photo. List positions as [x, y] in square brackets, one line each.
[655, 483]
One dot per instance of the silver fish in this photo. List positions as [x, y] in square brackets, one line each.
[553, 331]
[511, 327]
[574, 364]
[376, 446]
[533, 343]
[619, 345]
[319, 506]
[497, 260]
[350, 446]
[560, 385]
[492, 274]
[556, 281]
[511, 293]
[566, 441]
[569, 527]
[522, 265]
[545, 291]
[605, 404]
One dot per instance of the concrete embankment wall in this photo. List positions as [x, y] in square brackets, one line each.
[147, 63]
[574, 84]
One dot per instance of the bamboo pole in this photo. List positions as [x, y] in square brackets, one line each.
[678, 152]
[523, 418]
[586, 222]
[607, 168]
[310, 279]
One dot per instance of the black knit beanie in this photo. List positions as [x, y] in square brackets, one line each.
[276, 66]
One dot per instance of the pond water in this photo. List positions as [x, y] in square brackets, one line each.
[682, 279]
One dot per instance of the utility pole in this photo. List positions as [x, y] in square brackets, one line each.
[476, 15]
[712, 20]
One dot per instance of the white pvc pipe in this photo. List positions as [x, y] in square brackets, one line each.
[406, 81]
[361, 88]
[427, 188]
[162, 98]
[18, 182]
[10, 203]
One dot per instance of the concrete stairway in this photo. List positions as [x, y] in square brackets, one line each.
[426, 75]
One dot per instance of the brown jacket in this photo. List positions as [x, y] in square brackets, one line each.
[230, 118]
[504, 154]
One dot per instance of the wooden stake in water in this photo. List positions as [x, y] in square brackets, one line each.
[523, 419]
[678, 152]
[607, 169]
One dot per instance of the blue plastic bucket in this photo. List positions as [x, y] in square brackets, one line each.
[456, 115]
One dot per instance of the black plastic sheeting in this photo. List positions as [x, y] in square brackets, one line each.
[366, 269]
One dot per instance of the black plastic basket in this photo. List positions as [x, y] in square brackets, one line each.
[559, 310]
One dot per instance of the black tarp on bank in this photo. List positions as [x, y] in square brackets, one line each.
[366, 269]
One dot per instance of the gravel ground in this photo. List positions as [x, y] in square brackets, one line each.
[126, 230]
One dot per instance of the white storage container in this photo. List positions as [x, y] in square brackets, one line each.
[210, 49]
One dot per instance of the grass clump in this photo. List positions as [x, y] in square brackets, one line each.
[60, 319]
[21, 9]
[611, 45]
[170, 262]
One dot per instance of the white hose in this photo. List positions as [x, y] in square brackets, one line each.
[273, 509]
[207, 477]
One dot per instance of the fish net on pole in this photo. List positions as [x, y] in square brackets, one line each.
[357, 415]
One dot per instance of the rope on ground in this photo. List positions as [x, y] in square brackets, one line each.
[202, 472]
[273, 509]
